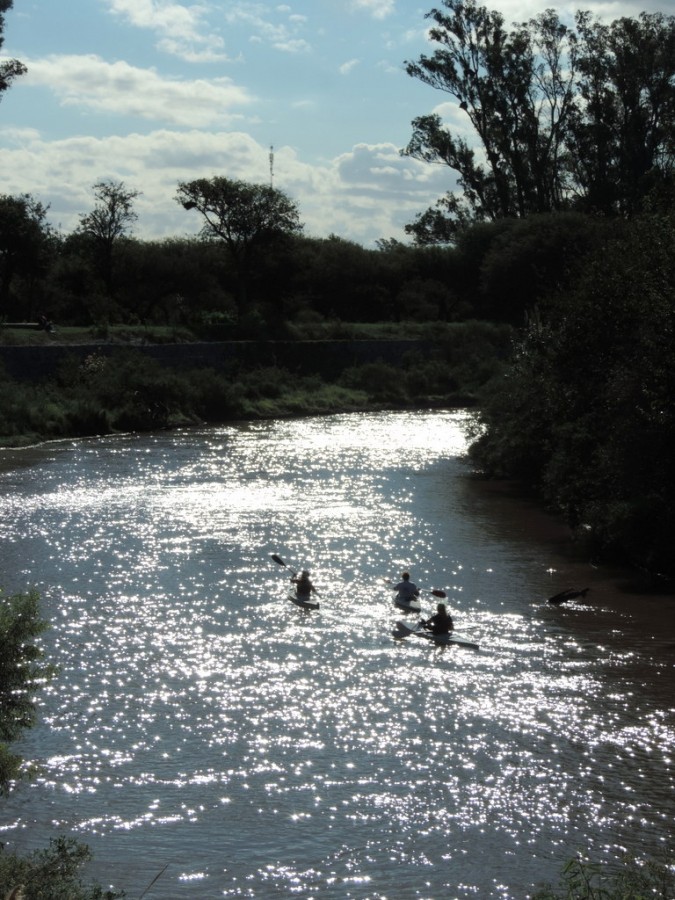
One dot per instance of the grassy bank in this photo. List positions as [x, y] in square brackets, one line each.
[130, 392]
[28, 334]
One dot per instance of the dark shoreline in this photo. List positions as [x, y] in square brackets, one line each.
[614, 589]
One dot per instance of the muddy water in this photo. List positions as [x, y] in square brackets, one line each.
[205, 728]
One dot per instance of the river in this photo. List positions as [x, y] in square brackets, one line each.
[205, 730]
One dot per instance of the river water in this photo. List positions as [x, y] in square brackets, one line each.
[205, 730]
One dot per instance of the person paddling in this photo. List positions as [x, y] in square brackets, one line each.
[440, 623]
[405, 589]
[303, 586]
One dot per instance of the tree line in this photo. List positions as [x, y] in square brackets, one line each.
[243, 275]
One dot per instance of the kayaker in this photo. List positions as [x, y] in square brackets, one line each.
[405, 589]
[303, 586]
[440, 623]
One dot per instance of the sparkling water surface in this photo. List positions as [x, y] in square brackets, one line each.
[203, 727]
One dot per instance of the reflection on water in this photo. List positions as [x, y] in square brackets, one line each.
[203, 723]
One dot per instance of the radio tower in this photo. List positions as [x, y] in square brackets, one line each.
[271, 166]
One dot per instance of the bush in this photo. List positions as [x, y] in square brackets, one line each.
[22, 673]
[583, 880]
[378, 380]
[50, 873]
[585, 414]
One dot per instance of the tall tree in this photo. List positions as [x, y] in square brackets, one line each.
[112, 218]
[23, 239]
[563, 117]
[622, 134]
[246, 217]
[9, 68]
[517, 90]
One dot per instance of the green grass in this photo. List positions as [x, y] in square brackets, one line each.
[129, 391]
[161, 334]
[371, 331]
[76, 334]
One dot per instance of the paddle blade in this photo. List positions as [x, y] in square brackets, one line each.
[278, 559]
[402, 630]
[440, 594]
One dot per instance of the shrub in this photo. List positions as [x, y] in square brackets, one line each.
[22, 673]
[634, 880]
[51, 873]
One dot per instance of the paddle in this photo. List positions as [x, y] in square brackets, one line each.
[405, 630]
[279, 560]
[435, 592]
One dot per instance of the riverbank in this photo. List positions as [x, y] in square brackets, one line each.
[110, 389]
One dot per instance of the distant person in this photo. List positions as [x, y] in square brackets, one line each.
[440, 623]
[405, 589]
[303, 586]
[44, 324]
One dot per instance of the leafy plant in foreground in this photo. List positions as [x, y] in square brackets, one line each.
[22, 672]
[584, 880]
[50, 873]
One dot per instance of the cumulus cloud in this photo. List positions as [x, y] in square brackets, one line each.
[366, 194]
[285, 35]
[181, 29]
[122, 89]
[348, 66]
[378, 9]
[380, 169]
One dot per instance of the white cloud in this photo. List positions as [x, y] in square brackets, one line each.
[364, 195]
[379, 9]
[348, 66]
[123, 89]
[181, 29]
[285, 35]
[607, 10]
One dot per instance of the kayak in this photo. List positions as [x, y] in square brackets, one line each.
[403, 631]
[409, 605]
[303, 602]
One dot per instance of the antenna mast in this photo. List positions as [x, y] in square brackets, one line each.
[271, 166]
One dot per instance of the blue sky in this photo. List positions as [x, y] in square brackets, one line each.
[153, 92]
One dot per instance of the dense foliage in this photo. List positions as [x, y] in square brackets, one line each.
[496, 271]
[50, 874]
[585, 414]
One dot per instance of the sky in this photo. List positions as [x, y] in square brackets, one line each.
[152, 93]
